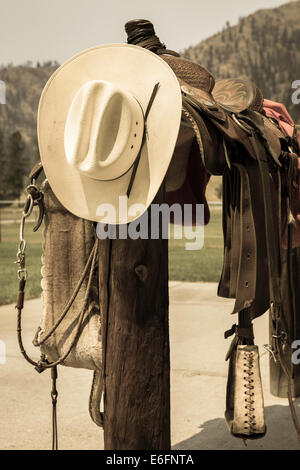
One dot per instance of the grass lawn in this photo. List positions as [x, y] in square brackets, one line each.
[184, 265]
[8, 270]
[199, 265]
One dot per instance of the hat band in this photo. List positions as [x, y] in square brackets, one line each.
[137, 159]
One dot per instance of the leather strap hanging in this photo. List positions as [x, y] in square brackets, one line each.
[54, 394]
[279, 334]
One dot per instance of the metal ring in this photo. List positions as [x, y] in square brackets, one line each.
[21, 247]
[22, 274]
[21, 234]
[29, 210]
[38, 192]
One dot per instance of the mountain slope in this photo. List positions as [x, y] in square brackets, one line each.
[264, 47]
[24, 85]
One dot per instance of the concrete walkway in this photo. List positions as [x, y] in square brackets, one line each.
[198, 319]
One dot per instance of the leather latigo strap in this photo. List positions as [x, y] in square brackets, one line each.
[245, 257]
[262, 150]
[238, 279]
[242, 224]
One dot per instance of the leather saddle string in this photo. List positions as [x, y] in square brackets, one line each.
[273, 271]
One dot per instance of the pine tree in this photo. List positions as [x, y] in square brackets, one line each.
[15, 169]
[2, 167]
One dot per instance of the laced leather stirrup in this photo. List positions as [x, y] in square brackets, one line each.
[244, 399]
[248, 359]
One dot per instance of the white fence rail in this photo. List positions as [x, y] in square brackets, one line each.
[11, 213]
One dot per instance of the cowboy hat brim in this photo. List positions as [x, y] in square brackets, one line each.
[137, 70]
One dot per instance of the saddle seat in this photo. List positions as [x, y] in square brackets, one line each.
[238, 95]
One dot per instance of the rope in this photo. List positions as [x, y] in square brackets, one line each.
[41, 365]
[70, 302]
[141, 33]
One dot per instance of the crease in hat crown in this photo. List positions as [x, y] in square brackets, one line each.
[103, 131]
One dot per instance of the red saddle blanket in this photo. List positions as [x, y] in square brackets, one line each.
[279, 113]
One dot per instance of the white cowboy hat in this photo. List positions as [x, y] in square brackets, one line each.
[108, 122]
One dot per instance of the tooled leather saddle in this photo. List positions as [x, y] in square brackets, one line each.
[225, 132]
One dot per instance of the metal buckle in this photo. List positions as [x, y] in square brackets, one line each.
[22, 274]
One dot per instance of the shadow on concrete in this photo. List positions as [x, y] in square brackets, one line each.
[214, 434]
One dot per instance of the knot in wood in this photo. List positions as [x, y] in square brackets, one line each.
[141, 272]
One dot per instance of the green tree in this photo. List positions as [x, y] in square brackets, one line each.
[2, 166]
[15, 168]
[219, 191]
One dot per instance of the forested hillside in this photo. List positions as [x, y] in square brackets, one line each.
[264, 46]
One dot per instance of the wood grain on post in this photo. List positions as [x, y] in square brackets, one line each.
[133, 277]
